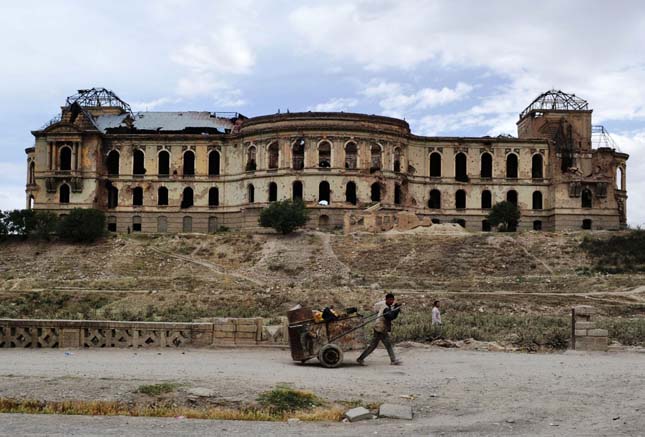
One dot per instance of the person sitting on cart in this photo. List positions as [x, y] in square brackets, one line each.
[387, 311]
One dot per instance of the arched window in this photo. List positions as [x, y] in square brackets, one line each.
[537, 200]
[187, 224]
[487, 199]
[298, 154]
[65, 158]
[212, 225]
[486, 165]
[375, 158]
[397, 194]
[620, 179]
[137, 196]
[350, 193]
[537, 167]
[511, 197]
[136, 223]
[113, 196]
[273, 152]
[460, 199]
[461, 171]
[323, 221]
[273, 192]
[162, 196]
[111, 223]
[112, 163]
[250, 193]
[187, 198]
[435, 164]
[138, 162]
[32, 173]
[486, 226]
[162, 223]
[213, 196]
[537, 225]
[163, 160]
[351, 153]
[586, 224]
[189, 163]
[31, 202]
[396, 158]
[511, 166]
[251, 163]
[213, 163]
[324, 155]
[64, 194]
[375, 191]
[434, 200]
[587, 198]
[297, 190]
[324, 192]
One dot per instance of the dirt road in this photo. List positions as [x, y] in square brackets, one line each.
[454, 391]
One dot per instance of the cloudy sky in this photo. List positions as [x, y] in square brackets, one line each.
[447, 67]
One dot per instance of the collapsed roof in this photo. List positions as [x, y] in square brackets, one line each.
[556, 100]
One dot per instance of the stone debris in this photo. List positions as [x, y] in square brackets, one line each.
[358, 413]
[394, 411]
[201, 392]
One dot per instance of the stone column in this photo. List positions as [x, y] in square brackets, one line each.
[585, 335]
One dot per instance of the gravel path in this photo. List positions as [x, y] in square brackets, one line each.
[455, 392]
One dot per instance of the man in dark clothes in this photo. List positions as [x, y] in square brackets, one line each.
[387, 311]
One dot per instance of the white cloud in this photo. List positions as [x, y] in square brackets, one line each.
[335, 105]
[152, 104]
[633, 143]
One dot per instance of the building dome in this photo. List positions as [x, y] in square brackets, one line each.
[556, 100]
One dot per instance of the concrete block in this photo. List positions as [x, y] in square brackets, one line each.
[592, 344]
[598, 333]
[585, 325]
[394, 411]
[358, 413]
[581, 332]
[584, 310]
[247, 328]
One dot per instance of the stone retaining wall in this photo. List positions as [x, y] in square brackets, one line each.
[586, 336]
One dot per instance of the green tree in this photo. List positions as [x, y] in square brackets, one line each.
[284, 216]
[45, 224]
[3, 226]
[82, 225]
[20, 222]
[506, 215]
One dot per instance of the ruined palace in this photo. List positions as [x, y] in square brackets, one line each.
[197, 171]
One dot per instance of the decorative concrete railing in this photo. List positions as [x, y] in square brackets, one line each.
[19, 333]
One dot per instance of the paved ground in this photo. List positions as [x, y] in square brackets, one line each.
[456, 392]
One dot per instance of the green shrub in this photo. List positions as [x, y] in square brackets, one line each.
[284, 216]
[3, 226]
[618, 254]
[629, 332]
[506, 215]
[82, 225]
[284, 398]
[45, 224]
[157, 389]
[20, 222]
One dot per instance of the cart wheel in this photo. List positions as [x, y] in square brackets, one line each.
[330, 355]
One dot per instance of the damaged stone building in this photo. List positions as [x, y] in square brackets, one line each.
[196, 171]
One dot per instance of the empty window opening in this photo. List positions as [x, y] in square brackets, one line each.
[136, 223]
[297, 190]
[250, 193]
[511, 166]
[436, 221]
[162, 224]
[31, 202]
[164, 163]
[397, 160]
[487, 199]
[324, 192]
[187, 198]
[213, 196]
[251, 163]
[537, 200]
[461, 171]
[511, 197]
[137, 196]
[397, 194]
[435, 164]
[434, 201]
[112, 163]
[620, 181]
[111, 223]
[162, 196]
[486, 226]
[460, 222]
[187, 224]
[324, 155]
[486, 165]
[537, 225]
[113, 196]
[460, 199]
[138, 163]
[212, 225]
[375, 190]
[350, 193]
[375, 158]
[66, 158]
[586, 224]
[323, 221]
[273, 192]
[274, 155]
[537, 167]
[213, 163]
[351, 153]
[189, 163]
[587, 198]
[64, 194]
[298, 154]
